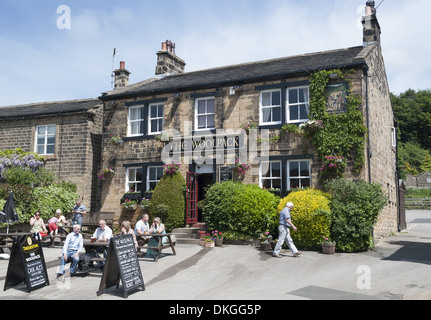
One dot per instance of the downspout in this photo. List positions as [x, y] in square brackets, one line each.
[397, 177]
[368, 123]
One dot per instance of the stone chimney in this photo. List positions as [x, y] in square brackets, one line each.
[371, 25]
[121, 76]
[167, 60]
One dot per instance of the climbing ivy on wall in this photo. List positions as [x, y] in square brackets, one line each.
[344, 133]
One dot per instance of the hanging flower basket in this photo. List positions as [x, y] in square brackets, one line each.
[116, 141]
[333, 166]
[106, 173]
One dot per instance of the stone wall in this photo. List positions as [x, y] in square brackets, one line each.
[77, 147]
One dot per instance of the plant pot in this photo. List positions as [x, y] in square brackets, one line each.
[265, 246]
[210, 244]
[202, 242]
[328, 248]
[219, 242]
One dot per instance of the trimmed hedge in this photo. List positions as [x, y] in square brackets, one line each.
[311, 214]
[168, 201]
[236, 207]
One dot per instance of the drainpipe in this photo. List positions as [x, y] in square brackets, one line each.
[368, 123]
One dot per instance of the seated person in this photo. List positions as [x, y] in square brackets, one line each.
[156, 227]
[102, 234]
[142, 228]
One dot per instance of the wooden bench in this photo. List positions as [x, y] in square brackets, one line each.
[160, 246]
[50, 238]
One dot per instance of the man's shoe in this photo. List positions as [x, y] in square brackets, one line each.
[276, 255]
[297, 254]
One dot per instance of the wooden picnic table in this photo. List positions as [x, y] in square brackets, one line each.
[6, 239]
[160, 246]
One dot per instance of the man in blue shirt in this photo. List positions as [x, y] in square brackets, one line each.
[72, 246]
[78, 212]
[284, 232]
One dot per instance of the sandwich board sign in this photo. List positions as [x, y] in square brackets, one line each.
[26, 264]
[122, 264]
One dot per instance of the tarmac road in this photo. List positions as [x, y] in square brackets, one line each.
[397, 269]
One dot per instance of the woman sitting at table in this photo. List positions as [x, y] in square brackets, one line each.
[38, 226]
[156, 227]
[126, 229]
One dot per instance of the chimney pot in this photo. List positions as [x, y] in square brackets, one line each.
[122, 65]
[121, 76]
[163, 46]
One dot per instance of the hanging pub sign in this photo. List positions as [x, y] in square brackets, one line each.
[226, 174]
[122, 264]
[337, 98]
[26, 264]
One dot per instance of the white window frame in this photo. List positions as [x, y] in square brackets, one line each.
[288, 105]
[299, 169]
[45, 137]
[148, 176]
[203, 114]
[129, 122]
[162, 117]
[393, 137]
[271, 106]
[271, 178]
[135, 182]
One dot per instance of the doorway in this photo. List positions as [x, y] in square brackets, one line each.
[205, 179]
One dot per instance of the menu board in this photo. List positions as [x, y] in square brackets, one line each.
[27, 264]
[122, 264]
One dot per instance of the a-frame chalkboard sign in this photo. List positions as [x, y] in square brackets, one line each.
[26, 264]
[122, 264]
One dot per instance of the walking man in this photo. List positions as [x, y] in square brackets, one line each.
[284, 232]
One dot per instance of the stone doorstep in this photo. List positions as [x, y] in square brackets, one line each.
[188, 235]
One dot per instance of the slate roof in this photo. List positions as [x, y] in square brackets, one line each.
[47, 108]
[243, 73]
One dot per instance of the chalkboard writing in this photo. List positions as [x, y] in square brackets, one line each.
[122, 263]
[226, 174]
[27, 264]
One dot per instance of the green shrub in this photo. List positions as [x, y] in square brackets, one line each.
[236, 207]
[355, 209]
[169, 192]
[311, 214]
[19, 176]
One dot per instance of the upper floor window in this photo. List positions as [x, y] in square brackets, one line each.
[45, 139]
[155, 118]
[270, 107]
[298, 105]
[205, 113]
[136, 121]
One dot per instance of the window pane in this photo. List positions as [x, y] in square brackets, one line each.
[210, 121]
[41, 130]
[201, 107]
[135, 127]
[266, 115]
[160, 111]
[276, 172]
[303, 95]
[276, 183]
[276, 114]
[293, 96]
[266, 169]
[131, 175]
[159, 173]
[293, 169]
[276, 98]
[211, 106]
[153, 173]
[51, 140]
[305, 183]
[202, 122]
[50, 149]
[51, 130]
[138, 174]
[153, 112]
[154, 126]
[41, 141]
[303, 111]
[134, 114]
[266, 183]
[304, 169]
[293, 112]
[153, 185]
[40, 149]
[294, 183]
[266, 99]
[160, 125]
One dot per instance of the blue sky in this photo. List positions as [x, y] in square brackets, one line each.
[40, 62]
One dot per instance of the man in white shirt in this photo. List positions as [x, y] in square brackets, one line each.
[141, 228]
[102, 234]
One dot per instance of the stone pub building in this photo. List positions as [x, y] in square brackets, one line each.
[195, 119]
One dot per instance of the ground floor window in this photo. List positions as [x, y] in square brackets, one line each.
[154, 175]
[298, 174]
[270, 174]
[134, 179]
